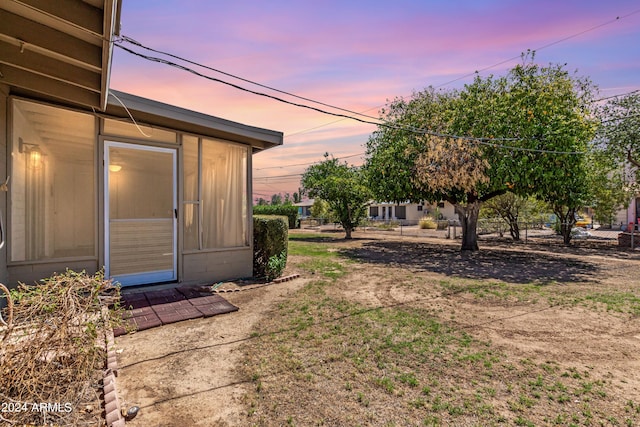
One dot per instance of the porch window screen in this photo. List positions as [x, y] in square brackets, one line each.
[52, 186]
[215, 211]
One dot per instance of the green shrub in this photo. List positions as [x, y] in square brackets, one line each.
[290, 211]
[270, 239]
[276, 265]
[427, 222]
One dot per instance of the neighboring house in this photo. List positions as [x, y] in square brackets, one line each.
[629, 215]
[304, 208]
[410, 213]
[164, 199]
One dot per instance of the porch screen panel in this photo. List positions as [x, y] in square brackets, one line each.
[191, 222]
[223, 195]
[52, 187]
[140, 211]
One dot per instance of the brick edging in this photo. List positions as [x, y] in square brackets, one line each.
[286, 278]
[249, 288]
[113, 412]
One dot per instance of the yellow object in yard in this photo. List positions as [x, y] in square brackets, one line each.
[583, 222]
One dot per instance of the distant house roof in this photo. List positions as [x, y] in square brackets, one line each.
[160, 114]
[304, 203]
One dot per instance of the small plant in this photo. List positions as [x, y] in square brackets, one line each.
[276, 265]
[427, 223]
[386, 384]
[362, 400]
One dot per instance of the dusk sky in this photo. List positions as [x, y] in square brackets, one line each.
[357, 55]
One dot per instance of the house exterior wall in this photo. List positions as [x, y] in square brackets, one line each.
[32, 272]
[207, 265]
[4, 93]
[624, 216]
[413, 212]
[217, 265]
[633, 212]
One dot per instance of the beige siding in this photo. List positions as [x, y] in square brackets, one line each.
[413, 214]
[31, 273]
[4, 91]
[210, 267]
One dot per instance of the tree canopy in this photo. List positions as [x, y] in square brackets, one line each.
[343, 187]
[615, 158]
[526, 133]
[621, 129]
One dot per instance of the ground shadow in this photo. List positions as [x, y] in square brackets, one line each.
[488, 263]
[333, 238]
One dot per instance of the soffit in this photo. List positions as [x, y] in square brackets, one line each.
[156, 113]
[60, 49]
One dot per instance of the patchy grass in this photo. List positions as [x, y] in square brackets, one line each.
[320, 256]
[323, 359]
[312, 245]
[404, 365]
[614, 301]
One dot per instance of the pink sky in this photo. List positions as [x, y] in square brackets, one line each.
[356, 55]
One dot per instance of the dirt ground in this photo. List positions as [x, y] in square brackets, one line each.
[186, 373]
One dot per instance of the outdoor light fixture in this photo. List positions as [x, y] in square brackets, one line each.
[25, 147]
[115, 168]
[35, 154]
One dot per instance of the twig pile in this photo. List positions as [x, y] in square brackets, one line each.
[51, 362]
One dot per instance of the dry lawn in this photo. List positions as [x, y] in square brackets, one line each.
[393, 331]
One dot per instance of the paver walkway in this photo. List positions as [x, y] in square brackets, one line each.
[153, 308]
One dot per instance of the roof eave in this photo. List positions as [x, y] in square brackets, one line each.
[112, 11]
[164, 115]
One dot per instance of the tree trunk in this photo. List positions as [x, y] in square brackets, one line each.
[468, 215]
[567, 221]
[514, 229]
[347, 231]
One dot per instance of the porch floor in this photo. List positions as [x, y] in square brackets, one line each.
[153, 308]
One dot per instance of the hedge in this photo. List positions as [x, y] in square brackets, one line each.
[270, 240]
[290, 211]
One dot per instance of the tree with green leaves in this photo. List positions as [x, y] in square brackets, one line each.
[620, 131]
[513, 209]
[612, 185]
[526, 133]
[343, 187]
[321, 210]
[616, 159]
[276, 199]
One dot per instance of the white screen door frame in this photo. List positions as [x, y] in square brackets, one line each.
[146, 242]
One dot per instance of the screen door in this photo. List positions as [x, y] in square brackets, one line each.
[140, 213]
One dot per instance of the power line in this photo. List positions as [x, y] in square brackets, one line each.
[616, 96]
[615, 119]
[214, 79]
[482, 140]
[136, 43]
[281, 177]
[295, 104]
[617, 18]
[308, 163]
[278, 176]
[376, 123]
